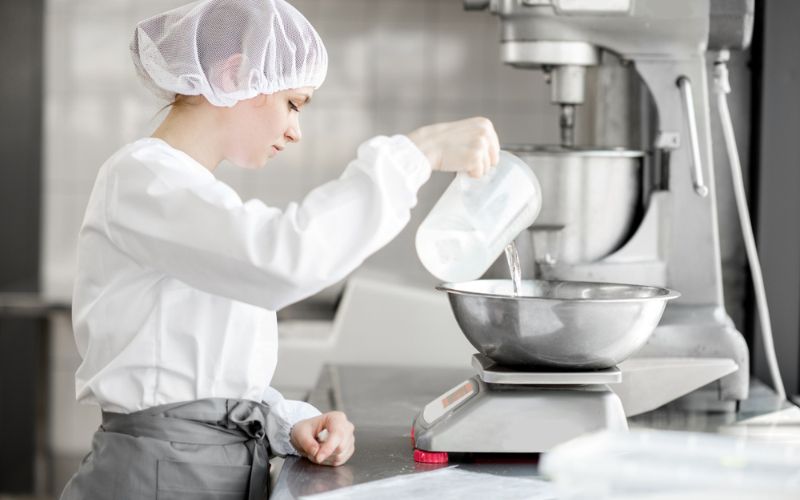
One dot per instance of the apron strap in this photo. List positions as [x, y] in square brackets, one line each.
[213, 422]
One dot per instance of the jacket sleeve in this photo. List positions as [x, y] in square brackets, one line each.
[205, 236]
[283, 414]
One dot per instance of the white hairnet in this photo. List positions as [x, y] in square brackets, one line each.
[228, 50]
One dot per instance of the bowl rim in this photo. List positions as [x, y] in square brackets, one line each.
[572, 151]
[664, 294]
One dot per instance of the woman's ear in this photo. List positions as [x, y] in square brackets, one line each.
[226, 75]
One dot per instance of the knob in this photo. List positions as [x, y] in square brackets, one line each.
[476, 4]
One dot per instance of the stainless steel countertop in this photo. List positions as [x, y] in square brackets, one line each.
[382, 402]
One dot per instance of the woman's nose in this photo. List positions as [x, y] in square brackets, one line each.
[293, 133]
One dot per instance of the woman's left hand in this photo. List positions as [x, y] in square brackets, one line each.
[326, 439]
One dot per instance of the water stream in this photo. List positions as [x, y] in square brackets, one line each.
[512, 257]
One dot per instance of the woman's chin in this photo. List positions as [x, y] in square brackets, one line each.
[252, 163]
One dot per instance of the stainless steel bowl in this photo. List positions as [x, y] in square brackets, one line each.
[589, 200]
[563, 324]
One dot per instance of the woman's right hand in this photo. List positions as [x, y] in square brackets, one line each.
[469, 145]
[326, 439]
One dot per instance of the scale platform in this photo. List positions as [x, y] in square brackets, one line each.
[502, 410]
[491, 372]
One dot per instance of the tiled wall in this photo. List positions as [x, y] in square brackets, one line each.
[395, 65]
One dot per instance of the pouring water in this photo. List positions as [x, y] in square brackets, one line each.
[514, 269]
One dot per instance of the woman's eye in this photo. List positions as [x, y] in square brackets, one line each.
[293, 107]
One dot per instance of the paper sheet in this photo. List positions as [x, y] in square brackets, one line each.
[445, 484]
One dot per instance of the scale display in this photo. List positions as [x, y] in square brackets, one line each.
[437, 408]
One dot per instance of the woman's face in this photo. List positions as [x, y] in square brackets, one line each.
[257, 129]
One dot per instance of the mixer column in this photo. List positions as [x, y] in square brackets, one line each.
[567, 89]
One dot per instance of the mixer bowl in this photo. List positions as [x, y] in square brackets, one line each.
[557, 324]
[589, 202]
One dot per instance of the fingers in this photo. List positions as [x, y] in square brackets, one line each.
[490, 141]
[302, 437]
[327, 439]
[340, 432]
[469, 145]
[343, 453]
[494, 146]
[480, 167]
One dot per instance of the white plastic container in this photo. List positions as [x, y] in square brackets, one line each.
[475, 219]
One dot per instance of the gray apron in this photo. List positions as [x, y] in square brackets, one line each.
[211, 448]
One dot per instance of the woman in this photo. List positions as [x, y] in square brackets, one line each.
[179, 279]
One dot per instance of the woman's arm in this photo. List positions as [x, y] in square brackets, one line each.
[206, 237]
[203, 235]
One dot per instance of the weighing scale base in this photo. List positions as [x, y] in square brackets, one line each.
[477, 417]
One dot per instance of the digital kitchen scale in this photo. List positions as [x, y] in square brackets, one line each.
[506, 410]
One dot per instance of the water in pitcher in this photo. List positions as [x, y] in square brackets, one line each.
[456, 252]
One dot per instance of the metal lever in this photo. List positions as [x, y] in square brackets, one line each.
[694, 141]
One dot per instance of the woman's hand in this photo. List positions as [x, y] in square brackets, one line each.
[326, 439]
[469, 145]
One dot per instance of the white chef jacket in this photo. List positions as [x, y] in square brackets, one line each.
[179, 279]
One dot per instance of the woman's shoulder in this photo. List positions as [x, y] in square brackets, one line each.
[154, 157]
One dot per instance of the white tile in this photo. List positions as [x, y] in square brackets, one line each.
[63, 213]
[284, 179]
[138, 116]
[454, 65]
[389, 118]
[460, 68]
[98, 42]
[337, 132]
[91, 4]
[78, 136]
[310, 8]
[515, 86]
[57, 56]
[383, 119]
[63, 351]
[93, 124]
[348, 79]
[329, 11]
[383, 12]
[402, 64]
[407, 120]
[459, 110]
[71, 424]
[138, 10]
[537, 126]
[57, 143]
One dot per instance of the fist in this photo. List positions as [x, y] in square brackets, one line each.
[469, 145]
[326, 439]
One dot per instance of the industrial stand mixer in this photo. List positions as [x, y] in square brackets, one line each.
[643, 214]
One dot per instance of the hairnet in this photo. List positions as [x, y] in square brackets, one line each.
[228, 50]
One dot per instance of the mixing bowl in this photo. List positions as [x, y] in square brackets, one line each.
[560, 324]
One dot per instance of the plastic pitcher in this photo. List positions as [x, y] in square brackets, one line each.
[475, 219]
